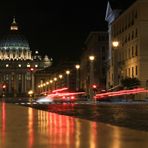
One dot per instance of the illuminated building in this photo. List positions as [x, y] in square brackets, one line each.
[130, 57]
[17, 63]
[96, 45]
[57, 77]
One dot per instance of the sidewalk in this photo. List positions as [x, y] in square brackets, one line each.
[22, 127]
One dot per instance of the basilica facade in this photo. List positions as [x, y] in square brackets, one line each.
[18, 64]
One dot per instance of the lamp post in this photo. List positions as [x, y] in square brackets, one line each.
[77, 76]
[147, 89]
[51, 82]
[116, 62]
[32, 79]
[91, 81]
[60, 76]
[67, 81]
[47, 84]
[55, 80]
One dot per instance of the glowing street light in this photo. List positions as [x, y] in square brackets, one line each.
[60, 82]
[55, 79]
[77, 66]
[118, 71]
[115, 44]
[51, 82]
[77, 76]
[30, 93]
[91, 59]
[60, 76]
[68, 73]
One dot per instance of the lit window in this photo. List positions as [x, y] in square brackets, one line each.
[7, 65]
[7, 77]
[20, 77]
[132, 72]
[28, 65]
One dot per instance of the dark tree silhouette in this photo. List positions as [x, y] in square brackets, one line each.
[130, 82]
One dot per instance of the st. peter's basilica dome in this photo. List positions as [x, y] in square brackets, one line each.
[14, 45]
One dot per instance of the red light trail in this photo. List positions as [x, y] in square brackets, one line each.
[120, 93]
[61, 94]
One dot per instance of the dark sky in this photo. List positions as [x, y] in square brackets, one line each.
[59, 27]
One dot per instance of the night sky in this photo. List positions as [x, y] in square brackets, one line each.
[57, 28]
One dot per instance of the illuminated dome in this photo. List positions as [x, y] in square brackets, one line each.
[14, 40]
[14, 45]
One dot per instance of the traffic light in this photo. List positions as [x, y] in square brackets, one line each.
[94, 87]
[31, 69]
[4, 86]
[4, 89]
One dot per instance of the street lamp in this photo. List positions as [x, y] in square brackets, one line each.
[77, 76]
[60, 76]
[47, 84]
[147, 89]
[91, 82]
[67, 73]
[115, 44]
[117, 63]
[55, 79]
[51, 82]
[32, 70]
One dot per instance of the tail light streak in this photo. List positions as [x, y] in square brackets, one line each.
[120, 93]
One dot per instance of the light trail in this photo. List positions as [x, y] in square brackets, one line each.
[62, 94]
[61, 89]
[120, 93]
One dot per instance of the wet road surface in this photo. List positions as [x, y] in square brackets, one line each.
[25, 127]
[134, 116]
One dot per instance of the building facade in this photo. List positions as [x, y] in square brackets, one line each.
[62, 75]
[17, 64]
[130, 57]
[94, 72]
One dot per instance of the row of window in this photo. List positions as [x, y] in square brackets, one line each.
[131, 72]
[12, 77]
[128, 53]
[128, 37]
[125, 22]
[19, 65]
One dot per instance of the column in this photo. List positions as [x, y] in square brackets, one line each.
[9, 84]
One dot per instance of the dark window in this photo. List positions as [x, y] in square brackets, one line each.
[132, 51]
[136, 50]
[136, 71]
[132, 35]
[136, 32]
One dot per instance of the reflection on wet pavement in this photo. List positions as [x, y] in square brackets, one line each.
[22, 127]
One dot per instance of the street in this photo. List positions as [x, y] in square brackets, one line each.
[129, 114]
[27, 128]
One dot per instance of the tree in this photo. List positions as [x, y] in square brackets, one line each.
[130, 82]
